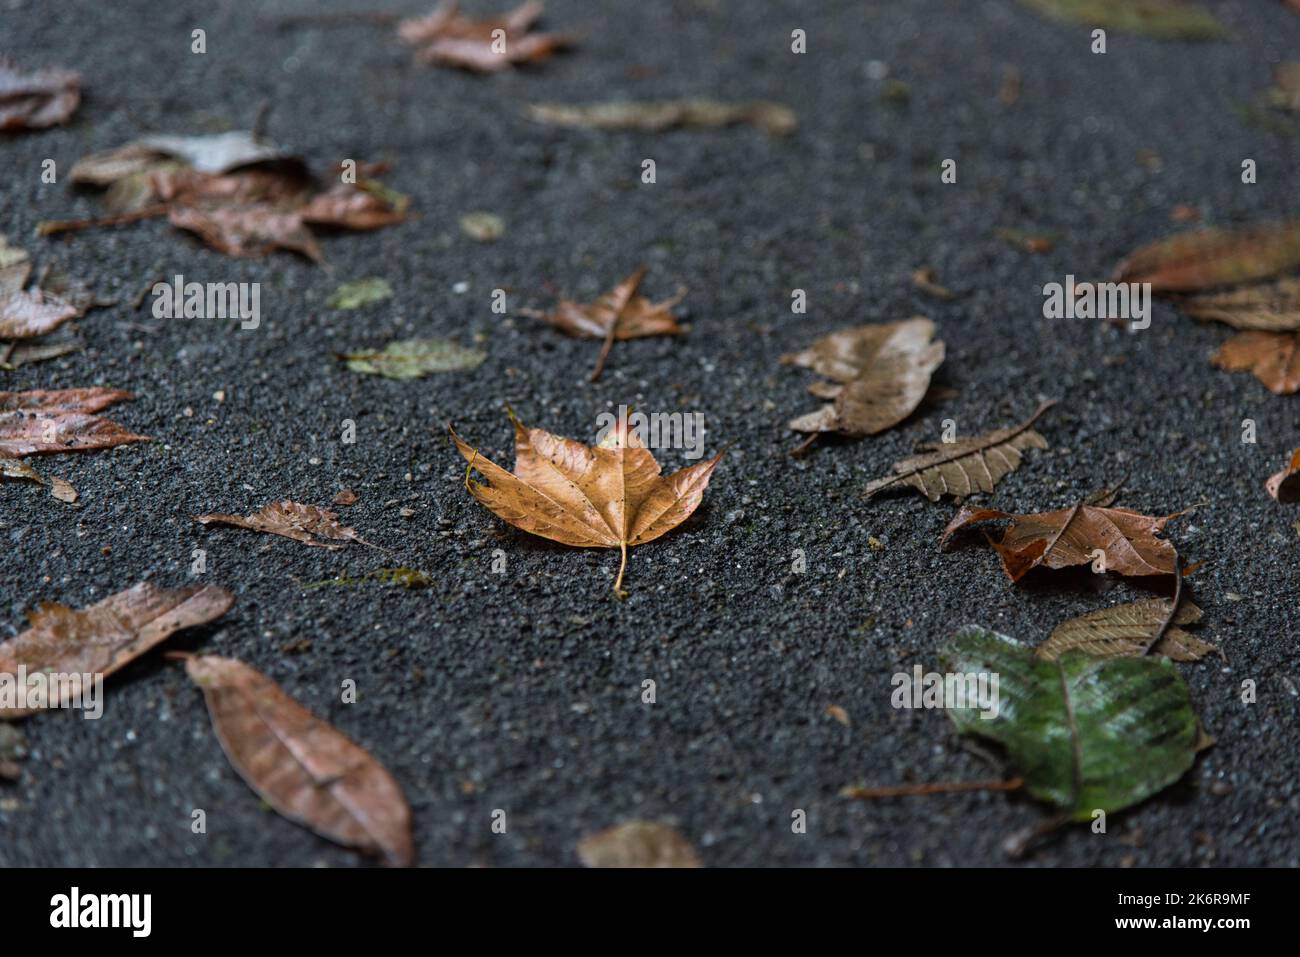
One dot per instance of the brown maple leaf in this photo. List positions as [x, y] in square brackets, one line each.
[1285, 485]
[1271, 356]
[447, 37]
[1110, 539]
[1206, 258]
[302, 523]
[621, 313]
[879, 374]
[108, 635]
[30, 101]
[61, 420]
[609, 495]
[305, 768]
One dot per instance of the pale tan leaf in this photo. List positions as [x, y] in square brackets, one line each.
[302, 523]
[1125, 630]
[638, 844]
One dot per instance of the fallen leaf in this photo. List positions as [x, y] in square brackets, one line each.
[654, 116]
[61, 420]
[483, 227]
[1027, 242]
[1167, 19]
[32, 101]
[1112, 539]
[449, 38]
[1284, 486]
[622, 313]
[355, 206]
[1205, 258]
[838, 713]
[363, 292]
[1125, 631]
[414, 358]
[926, 280]
[62, 490]
[1084, 733]
[305, 768]
[637, 844]
[966, 466]
[611, 495]
[345, 497]
[879, 375]
[302, 523]
[1270, 306]
[1271, 356]
[108, 635]
[1286, 86]
[28, 313]
[59, 488]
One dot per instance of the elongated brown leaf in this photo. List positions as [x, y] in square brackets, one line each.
[108, 635]
[637, 844]
[1273, 357]
[609, 495]
[302, 766]
[1285, 485]
[1125, 630]
[1271, 306]
[25, 315]
[41, 421]
[879, 374]
[653, 116]
[1205, 258]
[449, 38]
[966, 466]
[1112, 539]
[32, 101]
[59, 488]
[302, 523]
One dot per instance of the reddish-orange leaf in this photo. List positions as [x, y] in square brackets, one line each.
[108, 635]
[1205, 258]
[62, 420]
[30, 101]
[1271, 356]
[1285, 485]
[449, 38]
[305, 768]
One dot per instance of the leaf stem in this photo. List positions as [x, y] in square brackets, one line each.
[619, 593]
[1173, 608]
[931, 787]
[50, 228]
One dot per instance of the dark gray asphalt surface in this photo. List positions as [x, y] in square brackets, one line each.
[522, 692]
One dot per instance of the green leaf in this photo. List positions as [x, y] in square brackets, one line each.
[1085, 733]
[413, 358]
[363, 292]
[1168, 19]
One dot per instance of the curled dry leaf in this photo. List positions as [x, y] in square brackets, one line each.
[1271, 356]
[1110, 539]
[24, 313]
[1206, 258]
[449, 38]
[302, 523]
[610, 495]
[1271, 306]
[1126, 631]
[637, 844]
[653, 116]
[36, 100]
[108, 635]
[1284, 486]
[879, 375]
[60, 420]
[59, 488]
[966, 466]
[414, 358]
[305, 768]
[926, 280]
[1084, 733]
[1168, 19]
[622, 313]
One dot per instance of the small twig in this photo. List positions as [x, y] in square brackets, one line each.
[138, 301]
[1173, 608]
[51, 228]
[800, 450]
[932, 787]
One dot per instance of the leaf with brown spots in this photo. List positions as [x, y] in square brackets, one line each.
[302, 523]
[878, 376]
[305, 768]
[1285, 485]
[108, 635]
[32, 101]
[1111, 539]
[622, 313]
[1126, 631]
[1206, 258]
[447, 37]
[637, 844]
[609, 495]
[1271, 356]
[61, 420]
